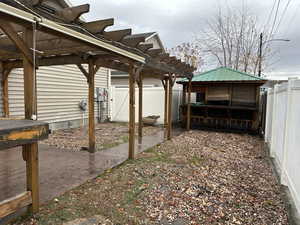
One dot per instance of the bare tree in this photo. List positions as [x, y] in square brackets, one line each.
[189, 53]
[232, 37]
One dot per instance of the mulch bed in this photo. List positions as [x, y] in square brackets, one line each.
[197, 178]
[107, 135]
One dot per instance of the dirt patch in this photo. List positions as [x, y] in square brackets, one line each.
[108, 135]
[197, 178]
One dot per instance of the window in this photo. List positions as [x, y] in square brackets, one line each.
[200, 97]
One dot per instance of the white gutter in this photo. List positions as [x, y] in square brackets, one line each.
[4, 8]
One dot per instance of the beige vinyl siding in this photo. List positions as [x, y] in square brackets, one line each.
[59, 90]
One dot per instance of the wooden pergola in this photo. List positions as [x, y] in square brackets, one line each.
[31, 36]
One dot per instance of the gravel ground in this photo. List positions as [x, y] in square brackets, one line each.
[107, 135]
[197, 178]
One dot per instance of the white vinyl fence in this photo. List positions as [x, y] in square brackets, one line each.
[282, 133]
[153, 103]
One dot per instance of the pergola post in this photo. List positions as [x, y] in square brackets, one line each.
[30, 151]
[170, 105]
[5, 101]
[90, 76]
[132, 81]
[165, 83]
[188, 114]
[91, 83]
[140, 129]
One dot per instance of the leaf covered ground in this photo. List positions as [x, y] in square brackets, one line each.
[107, 135]
[197, 178]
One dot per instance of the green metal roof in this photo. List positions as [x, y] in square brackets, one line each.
[223, 74]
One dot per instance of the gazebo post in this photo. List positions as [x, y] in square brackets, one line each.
[140, 129]
[30, 151]
[165, 83]
[188, 124]
[183, 95]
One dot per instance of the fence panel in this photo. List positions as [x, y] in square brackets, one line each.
[153, 103]
[280, 102]
[283, 136]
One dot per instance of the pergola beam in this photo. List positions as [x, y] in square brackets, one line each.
[117, 35]
[154, 52]
[145, 47]
[71, 14]
[98, 26]
[16, 39]
[133, 41]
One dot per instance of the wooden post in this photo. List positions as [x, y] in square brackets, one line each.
[91, 83]
[170, 100]
[5, 92]
[140, 83]
[132, 77]
[188, 114]
[31, 150]
[183, 95]
[165, 83]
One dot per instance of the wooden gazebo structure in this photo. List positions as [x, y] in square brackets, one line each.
[226, 99]
[37, 33]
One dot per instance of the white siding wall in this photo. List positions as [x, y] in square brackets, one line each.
[60, 88]
[153, 40]
[283, 136]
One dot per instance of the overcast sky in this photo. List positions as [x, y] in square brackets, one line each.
[178, 21]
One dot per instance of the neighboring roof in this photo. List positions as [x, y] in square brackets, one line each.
[224, 74]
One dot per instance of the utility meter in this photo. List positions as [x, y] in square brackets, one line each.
[83, 105]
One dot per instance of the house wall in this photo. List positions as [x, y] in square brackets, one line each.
[153, 40]
[59, 90]
[282, 134]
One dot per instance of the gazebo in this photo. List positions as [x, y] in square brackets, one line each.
[36, 33]
[224, 98]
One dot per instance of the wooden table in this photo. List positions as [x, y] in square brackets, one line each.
[20, 132]
[24, 133]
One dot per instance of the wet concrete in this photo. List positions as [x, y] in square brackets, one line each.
[62, 170]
